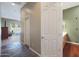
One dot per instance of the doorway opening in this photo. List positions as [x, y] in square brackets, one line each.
[10, 31]
[71, 32]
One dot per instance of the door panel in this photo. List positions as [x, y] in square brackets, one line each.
[50, 44]
[49, 21]
[48, 32]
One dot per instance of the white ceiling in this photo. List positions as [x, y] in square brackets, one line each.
[67, 5]
[11, 11]
[21, 4]
[7, 10]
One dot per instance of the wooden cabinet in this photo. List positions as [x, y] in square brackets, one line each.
[4, 33]
[71, 49]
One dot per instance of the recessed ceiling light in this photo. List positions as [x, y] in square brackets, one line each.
[13, 4]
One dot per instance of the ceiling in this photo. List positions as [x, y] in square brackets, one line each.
[21, 4]
[11, 10]
[67, 5]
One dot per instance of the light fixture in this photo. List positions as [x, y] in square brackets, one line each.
[13, 4]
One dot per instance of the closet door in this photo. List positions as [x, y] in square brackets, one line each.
[50, 43]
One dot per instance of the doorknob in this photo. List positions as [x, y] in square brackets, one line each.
[42, 37]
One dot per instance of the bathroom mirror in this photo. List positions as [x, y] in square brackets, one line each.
[71, 24]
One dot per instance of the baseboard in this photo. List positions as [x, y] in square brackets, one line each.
[32, 49]
[25, 45]
[35, 51]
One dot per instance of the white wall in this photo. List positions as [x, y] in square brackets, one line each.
[10, 11]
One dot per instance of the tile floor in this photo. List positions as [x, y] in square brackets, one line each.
[12, 47]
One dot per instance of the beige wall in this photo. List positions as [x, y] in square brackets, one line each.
[35, 39]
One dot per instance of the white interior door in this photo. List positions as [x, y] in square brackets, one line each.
[50, 45]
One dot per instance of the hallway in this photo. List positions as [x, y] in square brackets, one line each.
[40, 29]
[12, 47]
